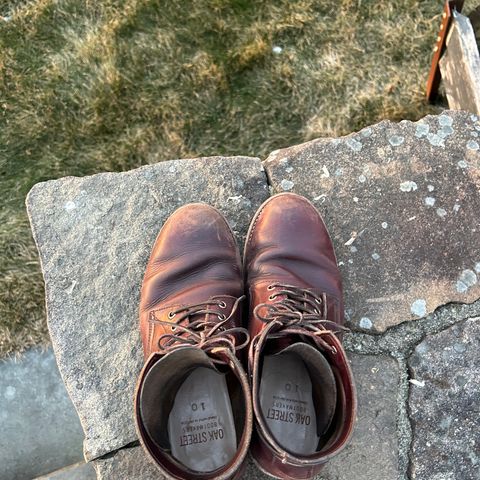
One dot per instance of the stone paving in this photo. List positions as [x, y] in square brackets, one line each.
[79, 471]
[40, 428]
[401, 202]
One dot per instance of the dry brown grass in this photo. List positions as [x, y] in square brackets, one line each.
[88, 86]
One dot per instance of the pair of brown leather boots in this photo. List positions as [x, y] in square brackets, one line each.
[195, 407]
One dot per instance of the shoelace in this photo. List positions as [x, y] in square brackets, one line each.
[299, 308]
[201, 333]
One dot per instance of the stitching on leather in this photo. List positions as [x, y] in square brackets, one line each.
[256, 220]
[151, 328]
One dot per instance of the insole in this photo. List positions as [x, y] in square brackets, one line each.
[287, 403]
[200, 425]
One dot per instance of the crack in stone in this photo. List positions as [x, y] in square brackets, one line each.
[135, 443]
[404, 425]
[399, 343]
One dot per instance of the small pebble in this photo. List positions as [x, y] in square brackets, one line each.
[417, 383]
[429, 201]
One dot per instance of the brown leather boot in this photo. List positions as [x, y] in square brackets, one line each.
[192, 403]
[302, 387]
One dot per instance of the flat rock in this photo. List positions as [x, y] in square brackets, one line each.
[445, 404]
[79, 471]
[401, 201]
[126, 463]
[371, 454]
[94, 235]
[40, 428]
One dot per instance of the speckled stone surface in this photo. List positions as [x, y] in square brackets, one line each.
[374, 438]
[401, 202]
[126, 463]
[94, 235]
[445, 404]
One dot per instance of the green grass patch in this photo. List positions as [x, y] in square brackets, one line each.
[89, 86]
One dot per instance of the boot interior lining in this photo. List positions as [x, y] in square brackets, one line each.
[186, 410]
[298, 398]
[201, 424]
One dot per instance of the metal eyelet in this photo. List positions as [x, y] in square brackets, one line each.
[222, 305]
[272, 297]
[221, 316]
[171, 314]
[174, 328]
[270, 287]
[318, 301]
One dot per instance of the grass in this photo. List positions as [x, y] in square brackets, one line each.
[89, 86]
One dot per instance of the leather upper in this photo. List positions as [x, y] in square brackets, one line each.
[194, 259]
[288, 244]
[193, 281]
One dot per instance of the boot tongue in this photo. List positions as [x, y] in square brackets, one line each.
[324, 388]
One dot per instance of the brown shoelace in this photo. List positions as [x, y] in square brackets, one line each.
[201, 333]
[300, 308]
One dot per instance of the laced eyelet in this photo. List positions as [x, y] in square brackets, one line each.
[222, 316]
[222, 305]
[174, 328]
[171, 314]
[272, 297]
[317, 301]
[270, 287]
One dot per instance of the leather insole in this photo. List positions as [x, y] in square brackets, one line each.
[200, 425]
[295, 418]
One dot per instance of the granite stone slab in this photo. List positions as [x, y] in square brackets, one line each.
[371, 455]
[94, 235]
[444, 404]
[401, 201]
[40, 431]
[126, 463]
